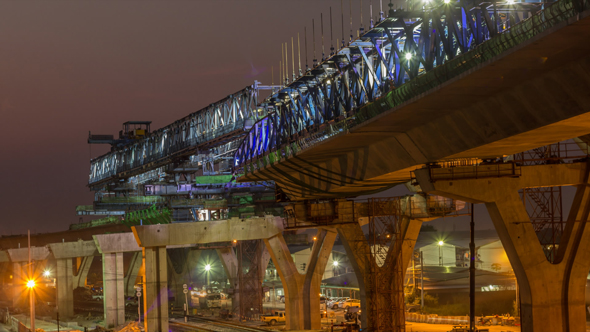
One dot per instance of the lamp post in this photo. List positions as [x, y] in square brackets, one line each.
[208, 269]
[335, 264]
[440, 257]
[31, 286]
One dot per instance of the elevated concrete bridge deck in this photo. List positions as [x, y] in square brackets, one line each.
[535, 94]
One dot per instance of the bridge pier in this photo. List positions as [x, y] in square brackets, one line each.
[64, 252]
[552, 295]
[19, 258]
[64, 287]
[155, 288]
[358, 251]
[112, 247]
[113, 289]
[229, 260]
[83, 266]
[302, 299]
[19, 294]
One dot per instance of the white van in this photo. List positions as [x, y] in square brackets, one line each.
[214, 300]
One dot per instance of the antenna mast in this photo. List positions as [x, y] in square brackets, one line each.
[313, 37]
[331, 34]
[322, 29]
[299, 53]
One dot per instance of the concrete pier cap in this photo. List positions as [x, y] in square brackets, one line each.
[115, 243]
[208, 231]
[79, 248]
[22, 254]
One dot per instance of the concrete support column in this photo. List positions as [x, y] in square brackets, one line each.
[113, 289]
[155, 289]
[65, 285]
[79, 280]
[19, 295]
[229, 260]
[132, 273]
[552, 294]
[302, 299]
[357, 250]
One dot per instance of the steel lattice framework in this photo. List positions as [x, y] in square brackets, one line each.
[544, 204]
[403, 56]
[217, 124]
[385, 268]
[250, 283]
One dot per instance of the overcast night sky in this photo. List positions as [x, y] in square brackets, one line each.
[67, 67]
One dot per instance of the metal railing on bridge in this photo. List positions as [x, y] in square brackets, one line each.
[402, 57]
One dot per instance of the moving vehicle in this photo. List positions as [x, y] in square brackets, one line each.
[277, 317]
[214, 301]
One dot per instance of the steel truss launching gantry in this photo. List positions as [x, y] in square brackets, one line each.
[222, 122]
[403, 56]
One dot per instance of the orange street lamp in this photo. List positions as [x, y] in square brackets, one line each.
[31, 286]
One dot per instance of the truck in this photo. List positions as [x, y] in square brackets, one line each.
[277, 317]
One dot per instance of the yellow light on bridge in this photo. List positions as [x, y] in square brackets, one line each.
[31, 283]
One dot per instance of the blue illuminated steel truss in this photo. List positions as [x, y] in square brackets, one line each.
[404, 55]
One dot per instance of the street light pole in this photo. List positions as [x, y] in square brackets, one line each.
[440, 253]
[421, 282]
[31, 285]
[472, 274]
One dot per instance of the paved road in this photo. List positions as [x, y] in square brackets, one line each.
[423, 327]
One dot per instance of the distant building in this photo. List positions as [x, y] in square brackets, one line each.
[492, 257]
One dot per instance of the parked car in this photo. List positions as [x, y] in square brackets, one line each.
[339, 303]
[131, 301]
[351, 303]
[281, 298]
[332, 302]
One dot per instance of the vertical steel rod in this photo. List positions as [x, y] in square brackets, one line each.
[472, 273]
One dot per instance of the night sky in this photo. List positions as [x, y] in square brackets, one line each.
[69, 67]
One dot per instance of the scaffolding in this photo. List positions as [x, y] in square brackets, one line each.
[249, 279]
[544, 205]
[384, 266]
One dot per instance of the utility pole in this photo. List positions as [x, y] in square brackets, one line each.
[472, 274]
[31, 285]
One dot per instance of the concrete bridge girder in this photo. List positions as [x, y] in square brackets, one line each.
[490, 111]
[552, 295]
